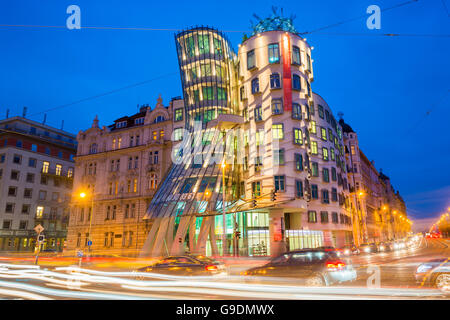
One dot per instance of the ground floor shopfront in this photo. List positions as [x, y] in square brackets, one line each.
[26, 241]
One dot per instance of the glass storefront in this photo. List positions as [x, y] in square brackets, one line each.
[300, 239]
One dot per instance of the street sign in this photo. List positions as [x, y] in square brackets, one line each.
[39, 228]
[80, 254]
[89, 243]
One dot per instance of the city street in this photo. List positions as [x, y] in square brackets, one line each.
[26, 281]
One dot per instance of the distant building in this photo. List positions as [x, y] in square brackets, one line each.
[118, 169]
[36, 177]
[380, 212]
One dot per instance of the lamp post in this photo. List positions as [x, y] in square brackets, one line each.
[224, 235]
[82, 196]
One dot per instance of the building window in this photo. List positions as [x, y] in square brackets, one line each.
[139, 121]
[325, 175]
[275, 82]
[2, 157]
[14, 175]
[320, 108]
[9, 208]
[334, 217]
[93, 148]
[155, 157]
[179, 114]
[312, 216]
[333, 174]
[203, 44]
[135, 185]
[58, 169]
[178, 134]
[325, 196]
[258, 113]
[323, 133]
[334, 195]
[314, 191]
[32, 162]
[12, 191]
[258, 163]
[277, 131]
[298, 162]
[298, 138]
[28, 193]
[25, 209]
[255, 85]
[313, 128]
[7, 224]
[17, 159]
[298, 188]
[153, 182]
[45, 166]
[296, 55]
[325, 153]
[278, 157]
[256, 189]
[70, 173]
[332, 154]
[39, 212]
[280, 183]
[324, 216]
[277, 106]
[259, 137]
[315, 169]
[296, 82]
[251, 62]
[296, 111]
[314, 147]
[274, 53]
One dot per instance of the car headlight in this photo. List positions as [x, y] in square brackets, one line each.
[347, 251]
[396, 246]
[381, 247]
[423, 268]
[367, 249]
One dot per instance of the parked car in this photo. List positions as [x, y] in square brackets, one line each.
[350, 249]
[311, 267]
[368, 248]
[186, 265]
[435, 273]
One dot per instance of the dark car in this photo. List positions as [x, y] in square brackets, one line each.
[385, 246]
[350, 249]
[312, 267]
[368, 248]
[435, 273]
[186, 265]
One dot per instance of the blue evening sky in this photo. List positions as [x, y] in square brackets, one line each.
[383, 85]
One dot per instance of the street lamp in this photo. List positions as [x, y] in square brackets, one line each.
[224, 235]
[83, 196]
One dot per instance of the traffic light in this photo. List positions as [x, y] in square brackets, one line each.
[180, 240]
[253, 203]
[273, 196]
[238, 234]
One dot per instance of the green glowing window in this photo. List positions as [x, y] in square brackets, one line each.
[205, 69]
[219, 71]
[194, 73]
[203, 44]
[178, 134]
[221, 93]
[209, 115]
[208, 93]
[218, 46]
[179, 114]
[274, 53]
[190, 46]
[196, 96]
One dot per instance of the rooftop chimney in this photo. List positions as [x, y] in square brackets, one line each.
[24, 113]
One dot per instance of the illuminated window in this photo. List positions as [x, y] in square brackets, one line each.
[258, 113]
[114, 144]
[208, 93]
[178, 134]
[312, 216]
[298, 139]
[278, 157]
[314, 147]
[325, 154]
[119, 143]
[274, 53]
[203, 43]
[179, 114]
[352, 148]
[205, 69]
[256, 189]
[259, 137]
[258, 163]
[313, 127]
[332, 154]
[135, 185]
[155, 135]
[161, 134]
[45, 166]
[58, 169]
[39, 212]
[190, 46]
[221, 94]
[323, 132]
[218, 46]
[277, 131]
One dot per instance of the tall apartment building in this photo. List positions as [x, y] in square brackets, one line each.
[118, 169]
[380, 212]
[36, 177]
[278, 136]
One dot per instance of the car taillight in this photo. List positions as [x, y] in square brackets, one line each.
[335, 265]
[211, 268]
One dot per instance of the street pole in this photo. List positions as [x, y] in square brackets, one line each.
[38, 249]
[224, 235]
[90, 221]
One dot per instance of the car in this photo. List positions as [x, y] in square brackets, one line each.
[435, 273]
[338, 252]
[385, 246]
[350, 249]
[311, 267]
[368, 248]
[186, 265]
[399, 245]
